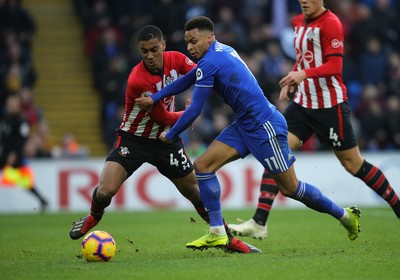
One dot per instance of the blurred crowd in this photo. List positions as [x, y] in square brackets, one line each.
[261, 32]
[18, 79]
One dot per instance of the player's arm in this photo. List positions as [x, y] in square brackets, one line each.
[178, 86]
[333, 66]
[162, 117]
[200, 96]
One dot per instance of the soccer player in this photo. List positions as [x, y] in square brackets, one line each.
[320, 106]
[14, 168]
[260, 129]
[137, 138]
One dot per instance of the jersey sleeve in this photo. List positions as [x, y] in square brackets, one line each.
[333, 37]
[205, 74]
[162, 117]
[185, 63]
[159, 114]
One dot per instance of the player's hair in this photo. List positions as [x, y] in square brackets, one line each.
[200, 22]
[149, 32]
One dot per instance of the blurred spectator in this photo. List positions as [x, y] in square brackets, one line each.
[70, 148]
[373, 62]
[375, 131]
[14, 18]
[40, 142]
[29, 109]
[393, 117]
[228, 30]
[16, 71]
[261, 32]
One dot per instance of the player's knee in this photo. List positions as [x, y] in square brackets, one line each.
[350, 166]
[200, 166]
[104, 193]
[287, 192]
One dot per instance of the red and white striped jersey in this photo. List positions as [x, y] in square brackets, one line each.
[314, 41]
[138, 122]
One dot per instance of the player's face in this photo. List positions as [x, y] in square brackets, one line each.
[311, 8]
[198, 42]
[152, 53]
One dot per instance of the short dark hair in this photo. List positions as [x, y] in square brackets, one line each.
[200, 22]
[149, 32]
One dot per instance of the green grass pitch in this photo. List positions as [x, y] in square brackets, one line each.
[301, 244]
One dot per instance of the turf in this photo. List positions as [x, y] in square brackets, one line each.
[301, 244]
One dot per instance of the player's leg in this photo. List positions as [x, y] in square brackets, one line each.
[111, 179]
[216, 155]
[275, 155]
[120, 164]
[189, 188]
[312, 197]
[371, 175]
[256, 227]
[219, 152]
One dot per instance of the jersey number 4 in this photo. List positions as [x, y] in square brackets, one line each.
[183, 160]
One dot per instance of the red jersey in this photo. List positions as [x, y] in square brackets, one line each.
[161, 118]
[315, 41]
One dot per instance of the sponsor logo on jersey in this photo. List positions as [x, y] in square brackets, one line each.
[308, 56]
[336, 43]
[188, 61]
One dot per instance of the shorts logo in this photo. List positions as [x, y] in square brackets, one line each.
[123, 151]
[336, 43]
[199, 74]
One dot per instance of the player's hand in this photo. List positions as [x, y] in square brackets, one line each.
[284, 93]
[294, 78]
[145, 102]
[163, 138]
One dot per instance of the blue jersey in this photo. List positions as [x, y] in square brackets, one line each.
[223, 70]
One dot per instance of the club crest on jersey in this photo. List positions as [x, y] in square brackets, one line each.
[310, 35]
[199, 74]
[123, 151]
[169, 80]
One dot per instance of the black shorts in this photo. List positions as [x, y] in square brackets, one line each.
[332, 126]
[132, 151]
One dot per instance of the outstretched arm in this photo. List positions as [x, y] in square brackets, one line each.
[161, 116]
[200, 95]
[180, 85]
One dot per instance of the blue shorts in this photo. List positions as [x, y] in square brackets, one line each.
[268, 143]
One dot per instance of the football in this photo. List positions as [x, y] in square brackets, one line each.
[98, 246]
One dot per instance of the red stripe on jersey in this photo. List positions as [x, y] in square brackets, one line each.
[135, 124]
[340, 121]
[314, 42]
[147, 128]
